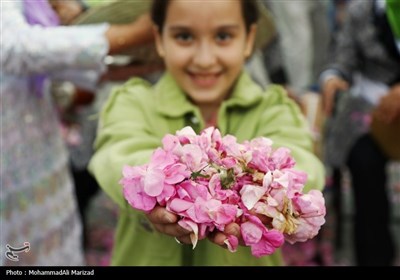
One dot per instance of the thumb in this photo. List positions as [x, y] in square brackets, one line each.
[343, 85]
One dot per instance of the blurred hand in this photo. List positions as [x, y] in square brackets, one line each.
[329, 90]
[388, 108]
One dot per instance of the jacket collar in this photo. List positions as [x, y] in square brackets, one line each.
[171, 101]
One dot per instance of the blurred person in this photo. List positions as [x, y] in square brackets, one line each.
[365, 67]
[303, 38]
[40, 223]
[70, 99]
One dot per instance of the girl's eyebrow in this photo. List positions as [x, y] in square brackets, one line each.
[229, 26]
[184, 27]
[178, 27]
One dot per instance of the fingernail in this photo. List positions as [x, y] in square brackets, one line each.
[177, 241]
[233, 230]
[169, 218]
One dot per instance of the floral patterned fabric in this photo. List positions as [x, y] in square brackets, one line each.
[102, 217]
[37, 200]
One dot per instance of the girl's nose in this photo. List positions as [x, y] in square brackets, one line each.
[204, 55]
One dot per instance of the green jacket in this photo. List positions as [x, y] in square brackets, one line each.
[132, 124]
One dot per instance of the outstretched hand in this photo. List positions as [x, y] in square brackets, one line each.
[167, 223]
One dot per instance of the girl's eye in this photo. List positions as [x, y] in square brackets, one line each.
[223, 37]
[184, 37]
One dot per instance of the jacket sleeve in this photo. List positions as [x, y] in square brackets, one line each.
[124, 137]
[33, 49]
[346, 53]
[283, 122]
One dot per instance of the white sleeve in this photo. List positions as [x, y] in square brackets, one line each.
[28, 49]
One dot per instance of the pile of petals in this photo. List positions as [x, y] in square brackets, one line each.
[210, 181]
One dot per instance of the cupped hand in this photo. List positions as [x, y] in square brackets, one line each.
[219, 237]
[167, 223]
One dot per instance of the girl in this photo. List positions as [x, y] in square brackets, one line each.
[204, 45]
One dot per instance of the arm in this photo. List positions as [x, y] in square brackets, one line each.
[30, 49]
[124, 36]
[345, 60]
[33, 49]
[125, 137]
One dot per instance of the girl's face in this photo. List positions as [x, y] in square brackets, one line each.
[204, 44]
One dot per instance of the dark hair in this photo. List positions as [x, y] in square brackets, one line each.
[159, 11]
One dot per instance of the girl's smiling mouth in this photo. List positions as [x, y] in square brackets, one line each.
[204, 79]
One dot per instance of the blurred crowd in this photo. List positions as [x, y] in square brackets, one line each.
[338, 59]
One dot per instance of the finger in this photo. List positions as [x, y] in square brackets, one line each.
[176, 230]
[218, 238]
[160, 215]
[184, 239]
[172, 229]
[232, 229]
